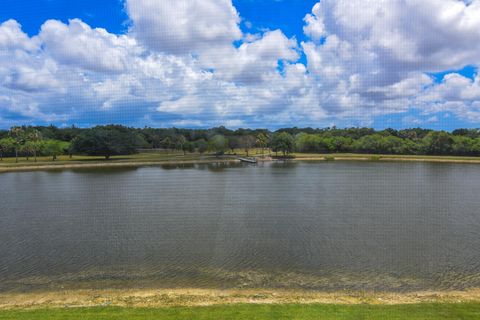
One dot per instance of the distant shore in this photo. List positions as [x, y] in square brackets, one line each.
[191, 297]
[391, 158]
[109, 164]
[142, 160]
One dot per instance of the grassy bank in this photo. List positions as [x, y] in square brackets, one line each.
[142, 157]
[250, 312]
[384, 157]
[146, 159]
[137, 160]
[193, 297]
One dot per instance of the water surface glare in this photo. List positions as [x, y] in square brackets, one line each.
[318, 225]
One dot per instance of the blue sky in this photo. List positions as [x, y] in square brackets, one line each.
[31, 14]
[110, 14]
[240, 63]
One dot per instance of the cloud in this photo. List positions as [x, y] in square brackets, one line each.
[454, 87]
[403, 35]
[184, 26]
[22, 65]
[77, 44]
[187, 62]
[13, 38]
[455, 94]
[31, 79]
[77, 73]
[252, 62]
[374, 56]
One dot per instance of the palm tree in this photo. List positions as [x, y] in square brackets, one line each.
[26, 149]
[262, 141]
[18, 134]
[35, 137]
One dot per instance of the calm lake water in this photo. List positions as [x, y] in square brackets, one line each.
[328, 225]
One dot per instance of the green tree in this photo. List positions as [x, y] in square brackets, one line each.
[34, 140]
[201, 146]
[282, 142]
[247, 142]
[218, 144]
[262, 141]
[179, 143]
[381, 143]
[370, 144]
[305, 142]
[18, 134]
[188, 147]
[476, 147]
[54, 148]
[6, 145]
[107, 141]
[463, 146]
[167, 144]
[234, 143]
[470, 133]
[341, 144]
[26, 149]
[438, 143]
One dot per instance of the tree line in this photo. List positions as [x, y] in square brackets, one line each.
[111, 140]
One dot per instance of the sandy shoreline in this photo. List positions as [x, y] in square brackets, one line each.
[149, 298]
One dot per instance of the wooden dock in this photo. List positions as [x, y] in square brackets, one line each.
[248, 160]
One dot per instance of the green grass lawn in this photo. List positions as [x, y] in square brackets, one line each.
[299, 156]
[252, 312]
[143, 157]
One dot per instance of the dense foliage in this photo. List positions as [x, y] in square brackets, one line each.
[119, 140]
[107, 141]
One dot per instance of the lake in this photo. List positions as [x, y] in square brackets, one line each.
[309, 225]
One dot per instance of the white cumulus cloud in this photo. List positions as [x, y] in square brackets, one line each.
[187, 62]
[184, 26]
[377, 55]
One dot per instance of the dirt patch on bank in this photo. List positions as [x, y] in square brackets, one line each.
[208, 297]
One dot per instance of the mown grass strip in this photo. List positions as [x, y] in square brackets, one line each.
[258, 312]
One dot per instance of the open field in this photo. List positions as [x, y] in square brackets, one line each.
[146, 159]
[258, 312]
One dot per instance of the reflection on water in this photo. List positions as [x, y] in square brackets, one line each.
[328, 225]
